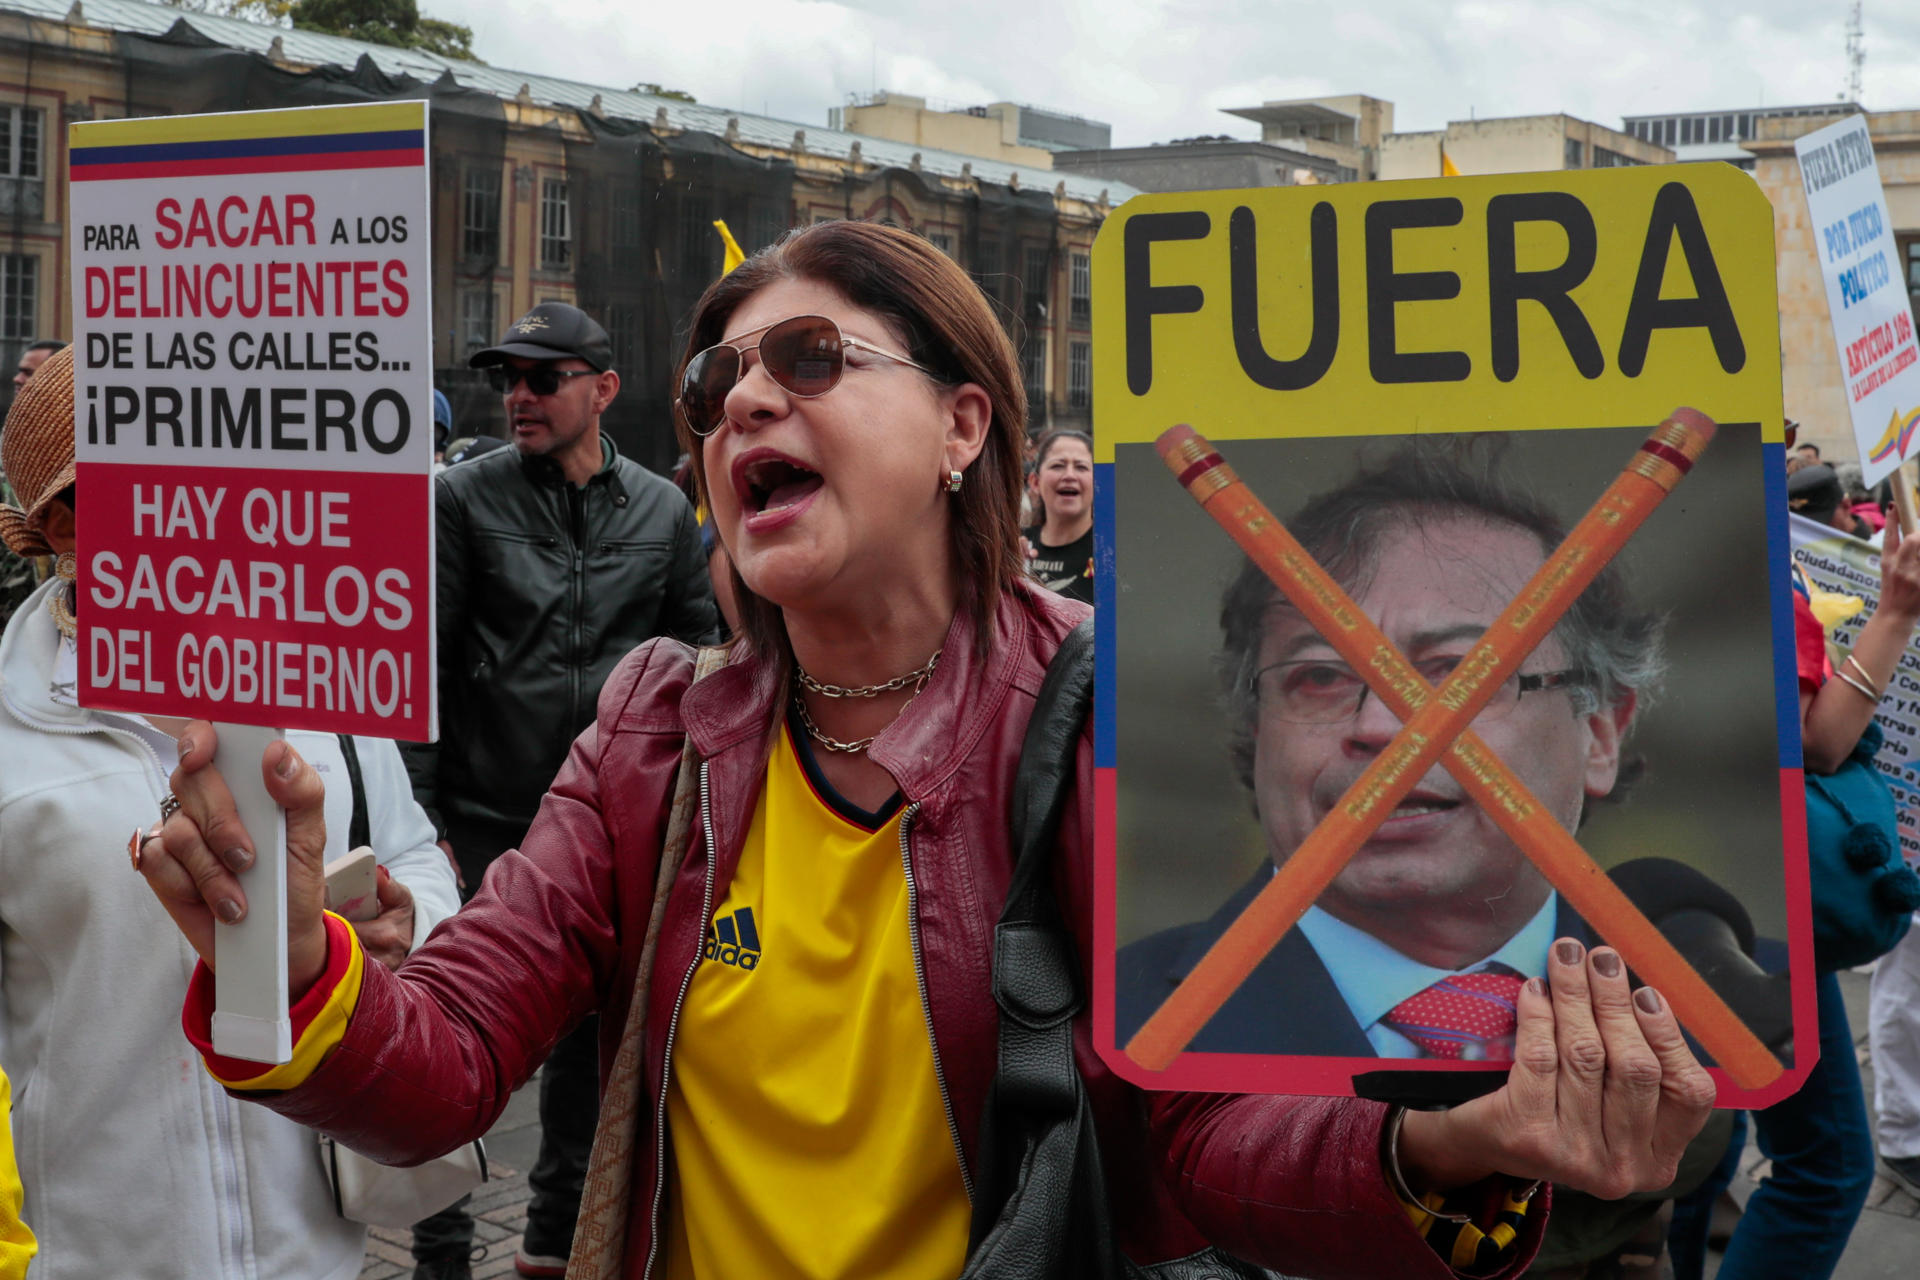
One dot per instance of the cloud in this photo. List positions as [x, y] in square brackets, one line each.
[1161, 69]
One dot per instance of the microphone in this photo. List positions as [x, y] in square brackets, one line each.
[1709, 927]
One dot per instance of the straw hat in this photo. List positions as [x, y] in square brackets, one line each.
[36, 451]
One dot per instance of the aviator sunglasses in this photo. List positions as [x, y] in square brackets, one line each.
[804, 355]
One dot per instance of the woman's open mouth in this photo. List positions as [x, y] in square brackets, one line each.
[772, 484]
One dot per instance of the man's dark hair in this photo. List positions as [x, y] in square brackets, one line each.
[1808, 446]
[48, 345]
[1614, 646]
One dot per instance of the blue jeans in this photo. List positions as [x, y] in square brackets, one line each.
[1798, 1221]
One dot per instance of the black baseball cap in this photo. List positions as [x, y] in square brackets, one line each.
[1814, 491]
[551, 331]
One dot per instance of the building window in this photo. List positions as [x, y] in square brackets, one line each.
[624, 216]
[1080, 288]
[766, 224]
[699, 242]
[1575, 153]
[1033, 279]
[476, 322]
[941, 240]
[1909, 250]
[623, 329]
[19, 297]
[480, 213]
[986, 268]
[1605, 159]
[1079, 375]
[1036, 371]
[20, 133]
[556, 225]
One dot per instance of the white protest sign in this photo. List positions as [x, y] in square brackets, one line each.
[253, 409]
[1866, 293]
[1841, 570]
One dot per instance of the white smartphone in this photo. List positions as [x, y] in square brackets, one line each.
[353, 885]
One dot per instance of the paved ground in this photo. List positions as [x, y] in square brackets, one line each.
[500, 1209]
[1885, 1243]
[1886, 1240]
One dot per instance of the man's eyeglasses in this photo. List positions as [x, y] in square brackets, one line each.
[1323, 691]
[541, 379]
[804, 355]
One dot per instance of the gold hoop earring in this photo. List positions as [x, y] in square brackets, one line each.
[953, 481]
[66, 566]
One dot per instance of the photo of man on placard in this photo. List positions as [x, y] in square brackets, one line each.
[1419, 946]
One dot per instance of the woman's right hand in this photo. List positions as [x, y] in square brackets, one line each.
[191, 867]
[1900, 574]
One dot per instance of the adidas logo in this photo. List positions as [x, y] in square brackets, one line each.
[734, 940]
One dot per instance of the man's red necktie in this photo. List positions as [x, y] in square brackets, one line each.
[1469, 1016]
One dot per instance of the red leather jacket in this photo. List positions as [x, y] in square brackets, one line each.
[433, 1052]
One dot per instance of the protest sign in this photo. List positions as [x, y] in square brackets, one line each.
[1457, 383]
[252, 436]
[253, 410]
[1866, 293]
[1844, 574]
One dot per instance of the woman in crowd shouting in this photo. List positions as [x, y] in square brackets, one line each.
[819, 1025]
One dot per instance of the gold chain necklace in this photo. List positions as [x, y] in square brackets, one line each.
[916, 678]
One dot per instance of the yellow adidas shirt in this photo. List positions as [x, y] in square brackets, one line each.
[807, 1133]
[16, 1242]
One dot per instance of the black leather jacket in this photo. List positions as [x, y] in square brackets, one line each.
[542, 587]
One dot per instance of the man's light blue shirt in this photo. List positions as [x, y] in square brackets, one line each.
[1372, 977]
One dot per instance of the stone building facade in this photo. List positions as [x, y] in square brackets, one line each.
[546, 189]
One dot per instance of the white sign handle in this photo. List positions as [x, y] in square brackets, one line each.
[250, 1012]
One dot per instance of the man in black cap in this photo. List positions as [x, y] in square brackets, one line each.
[554, 558]
[1815, 492]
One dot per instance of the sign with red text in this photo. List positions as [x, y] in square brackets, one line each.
[253, 409]
[1866, 293]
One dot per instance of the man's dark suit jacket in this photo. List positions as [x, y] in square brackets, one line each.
[1290, 1005]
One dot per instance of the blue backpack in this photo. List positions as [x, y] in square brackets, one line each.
[1864, 894]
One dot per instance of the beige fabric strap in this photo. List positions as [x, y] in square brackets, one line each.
[600, 1235]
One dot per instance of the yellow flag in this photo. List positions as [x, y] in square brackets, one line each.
[734, 257]
[1448, 169]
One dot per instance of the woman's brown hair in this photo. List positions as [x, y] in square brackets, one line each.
[947, 325]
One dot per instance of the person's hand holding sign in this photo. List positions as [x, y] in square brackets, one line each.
[191, 866]
[1603, 1097]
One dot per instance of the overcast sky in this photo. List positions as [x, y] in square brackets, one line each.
[1160, 69]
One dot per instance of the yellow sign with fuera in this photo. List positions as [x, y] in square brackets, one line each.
[1441, 557]
[1503, 303]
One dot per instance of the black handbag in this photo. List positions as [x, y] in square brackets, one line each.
[1040, 1210]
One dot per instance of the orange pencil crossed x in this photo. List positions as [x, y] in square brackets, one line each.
[1435, 728]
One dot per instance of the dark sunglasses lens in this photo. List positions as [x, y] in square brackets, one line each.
[703, 391]
[540, 381]
[804, 355]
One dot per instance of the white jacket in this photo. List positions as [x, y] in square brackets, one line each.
[134, 1162]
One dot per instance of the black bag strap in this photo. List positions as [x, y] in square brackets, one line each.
[1040, 1209]
[359, 829]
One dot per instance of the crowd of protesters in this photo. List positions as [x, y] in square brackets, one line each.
[892, 561]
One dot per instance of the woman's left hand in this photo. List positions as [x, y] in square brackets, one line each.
[1603, 1097]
